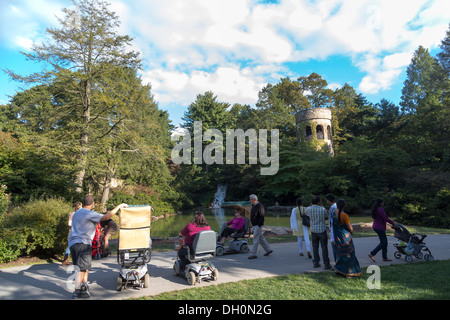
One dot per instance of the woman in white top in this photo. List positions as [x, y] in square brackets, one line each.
[298, 229]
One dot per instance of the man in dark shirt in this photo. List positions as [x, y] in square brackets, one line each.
[257, 219]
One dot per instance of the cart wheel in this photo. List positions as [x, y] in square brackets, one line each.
[146, 280]
[409, 259]
[419, 255]
[429, 257]
[119, 283]
[220, 251]
[215, 274]
[176, 268]
[244, 248]
[397, 254]
[191, 278]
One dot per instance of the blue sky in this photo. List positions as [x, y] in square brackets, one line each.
[236, 47]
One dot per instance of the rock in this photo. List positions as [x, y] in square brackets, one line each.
[279, 231]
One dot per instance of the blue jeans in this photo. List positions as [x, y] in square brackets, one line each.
[382, 245]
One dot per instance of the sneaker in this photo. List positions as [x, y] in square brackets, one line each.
[328, 267]
[85, 291]
[76, 294]
[267, 253]
[252, 257]
[317, 265]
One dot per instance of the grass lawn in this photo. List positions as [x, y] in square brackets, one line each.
[415, 281]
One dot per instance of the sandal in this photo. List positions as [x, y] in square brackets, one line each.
[372, 257]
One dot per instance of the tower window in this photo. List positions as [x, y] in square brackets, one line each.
[319, 132]
[308, 133]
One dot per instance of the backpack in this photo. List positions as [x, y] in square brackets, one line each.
[305, 218]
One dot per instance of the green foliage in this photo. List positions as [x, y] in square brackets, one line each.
[38, 227]
[87, 122]
[140, 195]
[5, 200]
[7, 253]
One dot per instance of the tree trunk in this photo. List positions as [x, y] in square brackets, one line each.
[112, 167]
[84, 139]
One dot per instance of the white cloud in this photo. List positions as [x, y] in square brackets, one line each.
[25, 21]
[229, 83]
[397, 60]
[334, 86]
[236, 47]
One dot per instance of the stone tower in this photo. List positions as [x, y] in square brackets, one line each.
[315, 124]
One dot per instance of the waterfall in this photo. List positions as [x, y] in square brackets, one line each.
[216, 204]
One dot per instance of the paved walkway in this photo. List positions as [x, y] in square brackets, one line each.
[49, 281]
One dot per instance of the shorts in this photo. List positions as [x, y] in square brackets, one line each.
[81, 255]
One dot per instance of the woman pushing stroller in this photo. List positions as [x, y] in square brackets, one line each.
[379, 226]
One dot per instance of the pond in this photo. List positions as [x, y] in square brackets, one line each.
[171, 226]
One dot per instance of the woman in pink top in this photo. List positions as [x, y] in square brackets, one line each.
[234, 225]
[189, 232]
[379, 226]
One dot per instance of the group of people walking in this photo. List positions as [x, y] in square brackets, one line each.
[313, 220]
[304, 221]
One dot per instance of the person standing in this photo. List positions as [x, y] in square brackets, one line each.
[346, 263]
[299, 229]
[318, 216]
[379, 226]
[330, 198]
[84, 223]
[257, 220]
[66, 261]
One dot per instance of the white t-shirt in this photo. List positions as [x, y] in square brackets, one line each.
[84, 222]
[330, 211]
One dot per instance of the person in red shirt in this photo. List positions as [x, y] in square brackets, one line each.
[189, 232]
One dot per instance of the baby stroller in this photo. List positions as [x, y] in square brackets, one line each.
[198, 269]
[410, 245]
[239, 242]
[134, 246]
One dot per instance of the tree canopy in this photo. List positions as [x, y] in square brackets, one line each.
[87, 123]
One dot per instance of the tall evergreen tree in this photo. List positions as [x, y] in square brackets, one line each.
[82, 52]
[444, 55]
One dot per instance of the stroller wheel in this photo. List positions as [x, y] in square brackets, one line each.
[409, 259]
[419, 255]
[397, 254]
[429, 257]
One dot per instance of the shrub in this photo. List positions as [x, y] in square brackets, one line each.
[5, 200]
[7, 253]
[37, 227]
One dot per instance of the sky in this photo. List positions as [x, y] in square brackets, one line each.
[234, 48]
